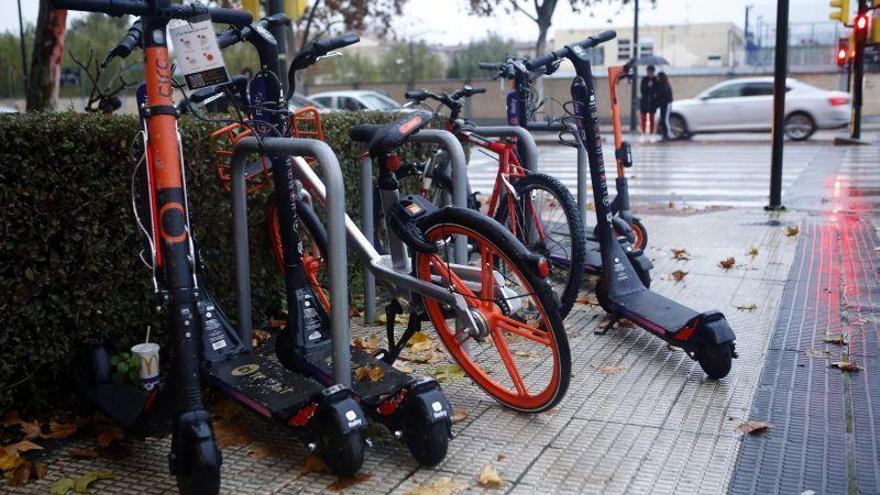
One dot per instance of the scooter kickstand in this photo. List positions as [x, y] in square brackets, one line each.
[603, 329]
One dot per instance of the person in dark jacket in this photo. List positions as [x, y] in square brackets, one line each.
[647, 102]
[664, 102]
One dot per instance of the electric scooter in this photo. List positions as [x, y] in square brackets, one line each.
[413, 409]
[328, 419]
[706, 337]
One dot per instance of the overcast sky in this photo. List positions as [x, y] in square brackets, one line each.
[445, 21]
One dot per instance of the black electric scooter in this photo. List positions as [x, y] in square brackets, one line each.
[414, 409]
[328, 419]
[706, 337]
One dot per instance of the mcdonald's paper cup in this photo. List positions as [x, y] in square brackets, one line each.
[148, 354]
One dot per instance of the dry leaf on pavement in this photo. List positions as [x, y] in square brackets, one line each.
[678, 275]
[680, 254]
[753, 427]
[489, 477]
[371, 373]
[589, 299]
[624, 323]
[753, 251]
[420, 341]
[447, 373]
[750, 307]
[109, 435]
[443, 486]
[792, 230]
[402, 367]
[611, 370]
[728, 263]
[314, 464]
[459, 414]
[370, 344]
[343, 483]
[847, 366]
[258, 337]
[837, 339]
[229, 433]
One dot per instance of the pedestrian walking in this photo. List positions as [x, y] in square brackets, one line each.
[664, 102]
[647, 102]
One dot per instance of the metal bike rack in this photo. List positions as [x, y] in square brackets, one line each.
[444, 140]
[524, 139]
[337, 253]
[582, 168]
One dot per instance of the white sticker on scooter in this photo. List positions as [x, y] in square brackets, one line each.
[197, 53]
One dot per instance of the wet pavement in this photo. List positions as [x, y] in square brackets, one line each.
[641, 417]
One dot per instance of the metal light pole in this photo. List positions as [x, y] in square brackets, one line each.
[24, 68]
[633, 112]
[280, 34]
[780, 74]
[858, 71]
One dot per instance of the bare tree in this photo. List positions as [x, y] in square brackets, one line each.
[539, 11]
[42, 91]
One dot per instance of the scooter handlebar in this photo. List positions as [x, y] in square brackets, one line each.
[590, 42]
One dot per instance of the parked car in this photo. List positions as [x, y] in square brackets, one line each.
[298, 101]
[356, 100]
[746, 105]
[8, 110]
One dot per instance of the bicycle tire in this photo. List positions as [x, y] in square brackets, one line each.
[576, 261]
[453, 221]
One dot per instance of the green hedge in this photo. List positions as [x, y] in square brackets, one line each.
[69, 250]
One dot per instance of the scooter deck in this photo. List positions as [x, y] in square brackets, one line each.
[261, 382]
[373, 392]
[654, 312]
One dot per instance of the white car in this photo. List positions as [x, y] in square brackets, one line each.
[747, 105]
[355, 100]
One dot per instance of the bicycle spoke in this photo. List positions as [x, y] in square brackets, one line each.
[507, 359]
[522, 329]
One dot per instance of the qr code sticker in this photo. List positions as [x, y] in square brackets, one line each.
[196, 81]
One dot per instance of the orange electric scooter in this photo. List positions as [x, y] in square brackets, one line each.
[623, 156]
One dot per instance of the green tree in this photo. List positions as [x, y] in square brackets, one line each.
[465, 63]
[410, 62]
[11, 72]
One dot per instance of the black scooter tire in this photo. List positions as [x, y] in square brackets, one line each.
[342, 452]
[204, 475]
[428, 442]
[716, 359]
[578, 260]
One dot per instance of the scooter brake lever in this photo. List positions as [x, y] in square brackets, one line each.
[328, 55]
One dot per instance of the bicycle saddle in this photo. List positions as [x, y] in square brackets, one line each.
[383, 139]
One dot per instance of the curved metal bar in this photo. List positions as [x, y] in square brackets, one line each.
[524, 139]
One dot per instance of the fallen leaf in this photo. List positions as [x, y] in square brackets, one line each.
[259, 336]
[459, 414]
[792, 230]
[59, 430]
[402, 367]
[753, 427]
[847, 366]
[343, 483]
[442, 486]
[22, 446]
[500, 457]
[109, 435]
[728, 263]
[753, 251]
[39, 470]
[680, 254]
[229, 433]
[430, 357]
[83, 454]
[420, 341]
[678, 275]
[20, 475]
[226, 409]
[314, 464]
[624, 323]
[259, 452]
[589, 299]
[837, 339]
[489, 477]
[382, 319]
[448, 373]
[526, 354]
[81, 484]
[611, 370]
[376, 374]
[62, 486]
[750, 307]
[277, 323]
[371, 344]
[9, 460]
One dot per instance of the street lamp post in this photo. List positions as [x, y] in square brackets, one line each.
[633, 115]
[780, 74]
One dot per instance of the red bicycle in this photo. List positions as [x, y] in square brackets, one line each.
[537, 208]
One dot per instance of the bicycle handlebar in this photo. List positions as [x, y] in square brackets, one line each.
[564, 52]
[327, 46]
[234, 17]
[235, 85]
[491, 66]
[127, 44]
[233, 35]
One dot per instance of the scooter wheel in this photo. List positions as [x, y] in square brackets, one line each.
[641, 234]
[342, 452]
[204, 474]
[716, 359]
[427, 441]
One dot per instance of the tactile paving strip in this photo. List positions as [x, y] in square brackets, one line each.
[825, 434]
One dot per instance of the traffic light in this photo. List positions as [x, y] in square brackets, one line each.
[860, 26]
[842, 12]
[842, 52]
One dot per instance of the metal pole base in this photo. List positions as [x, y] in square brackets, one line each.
[848, 141]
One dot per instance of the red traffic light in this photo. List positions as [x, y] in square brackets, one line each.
[861, 23]
[841, 57]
